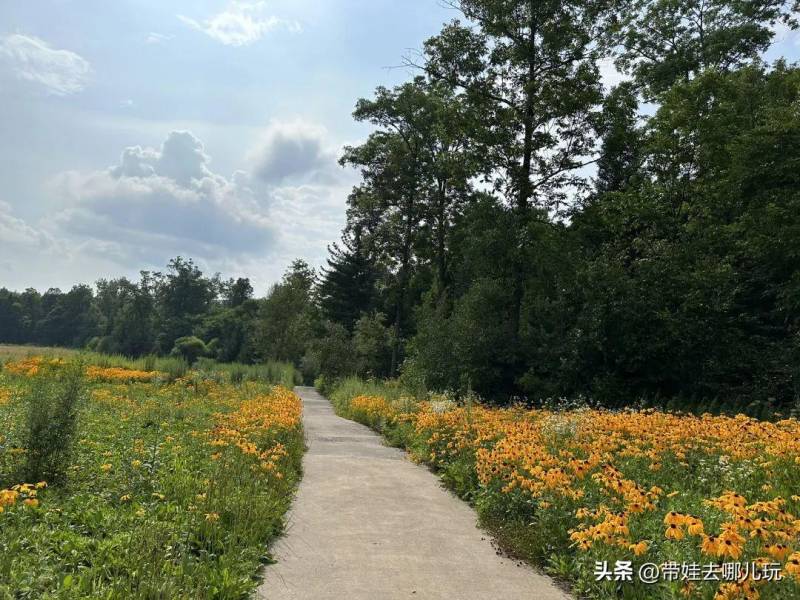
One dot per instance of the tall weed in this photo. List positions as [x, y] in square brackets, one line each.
[53, 403]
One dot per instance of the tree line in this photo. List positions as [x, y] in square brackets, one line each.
[528, 232]
[522, 231]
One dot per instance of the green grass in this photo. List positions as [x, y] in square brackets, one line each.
[149, 508]
[283, 373]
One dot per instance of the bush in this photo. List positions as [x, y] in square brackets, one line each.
[190, 348]
[52, 405]
[332, 354]
[372, 342]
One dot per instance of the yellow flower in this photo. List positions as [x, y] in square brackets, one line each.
[136, 463]
[674, 518]
[674, 532]
[212, 517]
[32, 502]
[125, 498]
[778, 551]
[639, 548]
[793, 565]
[695, 527]
[710, 545]
[106, 467]
[729, 547]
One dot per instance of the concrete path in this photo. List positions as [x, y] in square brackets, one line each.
[369, 524]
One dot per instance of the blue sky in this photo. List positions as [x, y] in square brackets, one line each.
[133, 131]
[230, 116]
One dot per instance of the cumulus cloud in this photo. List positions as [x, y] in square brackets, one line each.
[165, 199]
[154, 203]
[240, 24]
[15, 231]
[31, 59]
[293, 151]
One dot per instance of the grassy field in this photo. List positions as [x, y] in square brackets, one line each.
[565, 489]
[14, 352]
[119, 481]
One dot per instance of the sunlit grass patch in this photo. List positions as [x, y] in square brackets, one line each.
[151, 505]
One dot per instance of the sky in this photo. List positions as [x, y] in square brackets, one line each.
[132, 132]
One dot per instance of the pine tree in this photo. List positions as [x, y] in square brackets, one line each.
[347, 289]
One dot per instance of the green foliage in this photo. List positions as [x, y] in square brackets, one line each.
[372, 345]
[347, 286]
[667, 42]
[497, 260]
[52, 405]
[144, 512]
[331, 353]
[190, 348]
[288, 315]
[273, 372]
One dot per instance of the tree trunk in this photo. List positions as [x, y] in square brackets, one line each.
[401, 292]
[441, 233]
[524, 187]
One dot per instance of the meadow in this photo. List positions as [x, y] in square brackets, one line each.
[141, 479]
[565, 489]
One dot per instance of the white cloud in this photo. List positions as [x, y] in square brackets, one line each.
[157, 38]
[241, 24]
[154, 203]
[293, 151]
[164, 201]
[15, 231]
[61, 72]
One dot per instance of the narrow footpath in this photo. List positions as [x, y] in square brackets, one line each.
[369, 524]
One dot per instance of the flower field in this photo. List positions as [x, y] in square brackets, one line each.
[570, 490]
[155, 487]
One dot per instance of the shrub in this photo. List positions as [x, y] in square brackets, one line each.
[372, 342]
[52, 406]
[190, 348]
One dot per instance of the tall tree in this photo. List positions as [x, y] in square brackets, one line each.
[390, 190]
[664, 41]
[183, 295]
[347, 288]
[530, 66]
[288, 315]
[621, 153]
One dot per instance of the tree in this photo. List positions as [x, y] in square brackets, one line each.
[189, 348]
[11, 320]
[348, 285]
[390, 193]
[417, 170]
[530, 68]
[288, 315]
[665, 41]
[620, 161]
[182, 295]
[237, 292]
[69, 319]
[372, 345]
